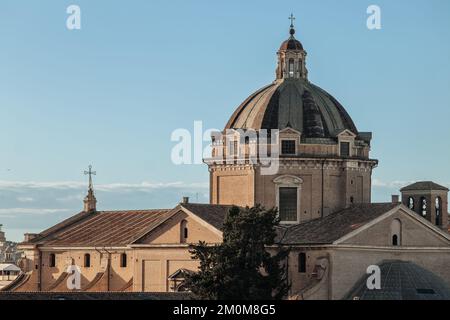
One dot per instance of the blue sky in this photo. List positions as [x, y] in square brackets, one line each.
[112, 93]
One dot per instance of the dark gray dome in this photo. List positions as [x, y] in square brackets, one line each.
[296, 103]
[403, 280]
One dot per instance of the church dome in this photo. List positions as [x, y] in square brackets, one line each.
[291, 44]
[294, 103]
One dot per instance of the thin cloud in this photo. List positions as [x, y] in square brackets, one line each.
[75, 185]
[41, 185]
[69, 198]
[390, 184]
[25, 199]
[14, 212]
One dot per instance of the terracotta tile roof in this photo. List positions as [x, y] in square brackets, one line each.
[333, 227]
[121, 228]
[103, 228]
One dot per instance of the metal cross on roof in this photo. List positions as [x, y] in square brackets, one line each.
[292, 18]
[90, 173]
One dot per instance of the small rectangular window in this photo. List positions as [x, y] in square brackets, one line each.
[345, 149]
[288, 147]
[87, 260]
[302, 262]
[288, 204]
[123, 260]
[52, 260]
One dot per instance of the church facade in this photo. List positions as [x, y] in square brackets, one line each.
[321, 186]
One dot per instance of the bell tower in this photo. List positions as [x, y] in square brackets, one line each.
[429, 200]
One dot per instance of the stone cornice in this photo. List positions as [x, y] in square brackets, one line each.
[302, 163]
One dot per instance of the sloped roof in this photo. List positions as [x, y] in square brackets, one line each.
[424, 185]
[180, 273]
[121, 228]
[402, 280]
[333, 227]
[8, 267]
[102, 228]
[214, 214]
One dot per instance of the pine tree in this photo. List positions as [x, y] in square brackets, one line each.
[241, 267]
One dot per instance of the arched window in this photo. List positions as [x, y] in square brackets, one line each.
[291, 68]
[184, 232]
[302, 262]
[123, 260]
[396, 232]
[423, 206]
[233, 148]
[52, 260]
[438, 211]
[411, 203]
[87, 260]
[395, 240]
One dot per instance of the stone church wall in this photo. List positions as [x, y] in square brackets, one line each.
[413, 234]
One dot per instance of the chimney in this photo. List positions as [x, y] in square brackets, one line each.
[30, 236]
[185, 200]
[395, 199]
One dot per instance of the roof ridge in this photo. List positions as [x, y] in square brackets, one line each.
[209, 204]
[132, 210]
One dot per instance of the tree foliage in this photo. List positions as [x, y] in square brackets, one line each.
[242, 267]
